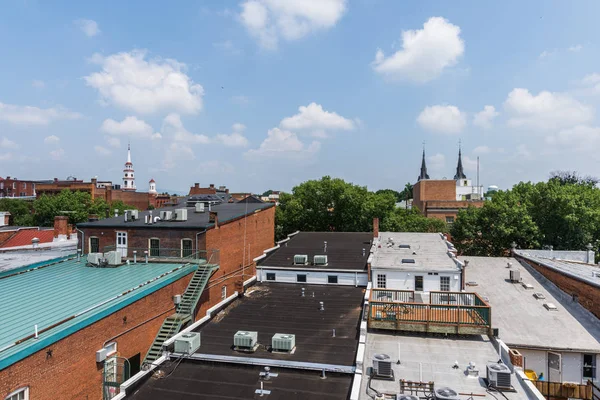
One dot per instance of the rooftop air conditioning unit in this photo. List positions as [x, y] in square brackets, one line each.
[166, 215]
[382, 366]
[180, 214]
[320, 260]
[283, 342]
[445, 393]
[403, 396]
[300, 259]
[113, 257]
[135, 215]
[245, 339]
[199, 207]
[498, 375]
[515, 276]
[188, 343]
[94, 258]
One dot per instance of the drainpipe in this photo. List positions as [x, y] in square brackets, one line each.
[82, 240]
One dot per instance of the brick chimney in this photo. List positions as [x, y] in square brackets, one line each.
[61, 227]
[213, 218]
[375, 227]
[196, 185]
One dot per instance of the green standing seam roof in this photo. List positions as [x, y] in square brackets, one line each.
[60, 290]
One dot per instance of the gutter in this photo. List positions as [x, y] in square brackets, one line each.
[82, 240]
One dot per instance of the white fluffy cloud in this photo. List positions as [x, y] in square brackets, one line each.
[592, 82]
[177, 152]
[130, 81]
[314, 119]
[88, 26]
[424, 54]
[545, 110]
[52, 139]
[483, 119]
[235, 139]
[130, 126]
[28, 115]
[103, 151]
[436, 162]
[270, 20]
[581, 138]
[442, 119]
[6, 143]
[283, 144]
[173, 126]
[57, 154]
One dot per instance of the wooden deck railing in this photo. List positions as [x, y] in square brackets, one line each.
[560, 390]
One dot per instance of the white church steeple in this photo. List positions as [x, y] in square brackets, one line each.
[129, 177]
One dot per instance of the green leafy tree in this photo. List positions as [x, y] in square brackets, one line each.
[20, 211]
[397, 195]
[411, 220]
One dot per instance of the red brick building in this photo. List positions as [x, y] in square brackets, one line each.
[13, 187]
[220, 191]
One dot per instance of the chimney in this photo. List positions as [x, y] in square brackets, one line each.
[591, 254]
[61, 228]
[375, 227]
[94, 181]
[196, 185]
[463, 276]
[213, 218]
[212, 186]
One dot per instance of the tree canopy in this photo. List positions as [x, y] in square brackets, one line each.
[20, 211]
[563, 212]
[331, 204]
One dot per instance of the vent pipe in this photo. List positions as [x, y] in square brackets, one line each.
[325, 246]
[364, 251]
[116, 212]
[150, 217]
[302, 292]
[321, 306]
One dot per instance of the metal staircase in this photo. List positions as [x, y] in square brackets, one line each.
[173, 323]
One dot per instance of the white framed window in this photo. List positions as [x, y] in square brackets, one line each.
[381, 281]
[271, 276]
[94, 244]
[449, 220]
[20, 394]
[24, 185]
[14, 185]
[224, 292]
[445, 283]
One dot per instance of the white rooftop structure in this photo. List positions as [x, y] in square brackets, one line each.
[27, 255]
[409, 251]
[522, 319]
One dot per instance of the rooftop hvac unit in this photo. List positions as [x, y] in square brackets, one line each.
[94, 258]
[127, 215]
[515, 276]
[113, 257]
[188, 343]
[402, 396]
[320, 260]
[445, 393]
[245, 339]
[382, 366]
[498, 375]
[180, 214]
[283, 342]
[300, 259]
[199, 207]
[166, 215]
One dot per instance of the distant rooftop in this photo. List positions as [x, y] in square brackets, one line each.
[344, 250]
[226, 212]
[51, 292]
[414, 251]
[425, 359]
[573, 265]
[23, 237]
[522, 319]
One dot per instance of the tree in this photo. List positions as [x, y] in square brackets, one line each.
[20, 211]
[397, 195]
[411, 220]
[267, 193]
[573, 178]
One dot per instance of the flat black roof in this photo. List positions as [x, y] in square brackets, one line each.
[344, 250]
[226, 212]
[270, 308]
[208, 381]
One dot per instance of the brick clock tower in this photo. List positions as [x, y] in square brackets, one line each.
[129, 177]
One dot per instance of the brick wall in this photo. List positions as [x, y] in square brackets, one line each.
[139, 200]
[21, 188]
[427, 190]
[589, 296]
[72, 372]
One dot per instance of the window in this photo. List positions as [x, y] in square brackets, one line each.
[14, 185]
[186, 248]
[449, 220]
[300, 278]
[332, 279]
[21, 394]
[154, 247]
[445, 283]
[465, 183]
[94, 244]
[270, 276]
[589, 366]
[224, 292]
[24, 185]
[381, 281]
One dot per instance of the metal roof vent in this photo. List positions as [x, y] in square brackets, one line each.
[527, 286]
[539, 295]
[550, 307]
[445, 393]
[404, 246]
[320, 260]
[245, 340]
[300, 259]
[408, 261]
[472, 283]
[283, 342]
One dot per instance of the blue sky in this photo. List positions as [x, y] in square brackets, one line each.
[264, 94]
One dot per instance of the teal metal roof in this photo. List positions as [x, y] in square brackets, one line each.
[67, 293]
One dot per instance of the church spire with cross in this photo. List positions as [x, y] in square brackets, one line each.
[423, 174]
[460, 174]
[129, 174]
